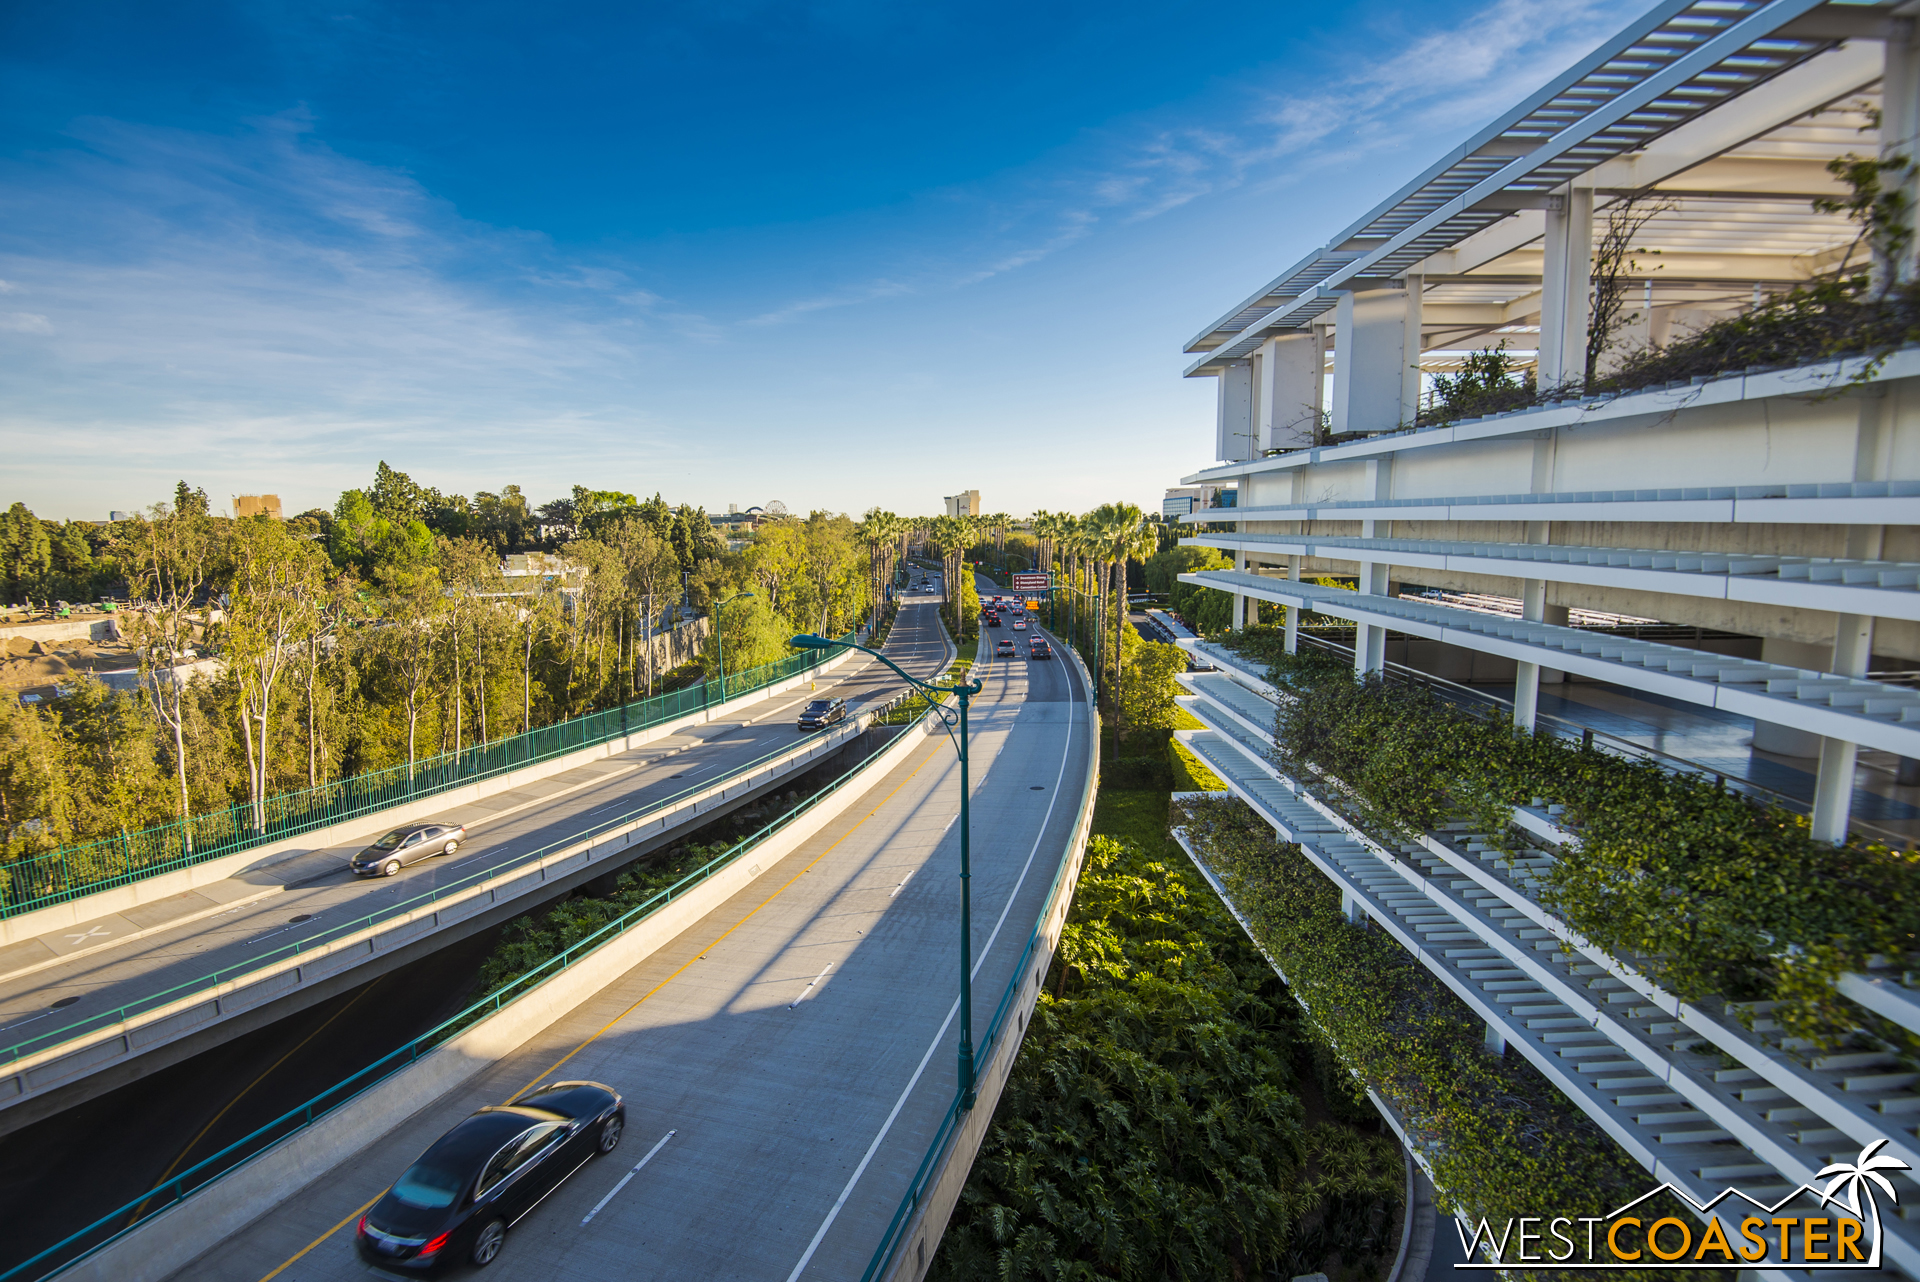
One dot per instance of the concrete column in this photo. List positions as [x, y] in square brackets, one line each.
[1410, 351]
[1322, 347]
[1370, 330]
[1239, 599]
[1288, 392]
[1565, 281]
[1833, 788]
[1234, 435]
[1900, 130]
[1293, 612]
[1533, 608]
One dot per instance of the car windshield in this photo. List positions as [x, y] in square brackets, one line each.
[820, 705]
[391, 840]
[428, 1186]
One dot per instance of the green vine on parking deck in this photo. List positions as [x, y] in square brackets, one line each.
[1707, 892]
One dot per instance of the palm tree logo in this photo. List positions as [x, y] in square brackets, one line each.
[1851, 1185]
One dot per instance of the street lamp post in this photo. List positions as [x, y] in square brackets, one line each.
[720, 638]
[963, 694]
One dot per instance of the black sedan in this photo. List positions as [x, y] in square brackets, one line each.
[457, 1202]
[409, 843]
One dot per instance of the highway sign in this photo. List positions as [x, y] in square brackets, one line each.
[1031, 582]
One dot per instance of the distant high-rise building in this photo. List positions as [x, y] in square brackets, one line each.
[245, 505]
[965, 503]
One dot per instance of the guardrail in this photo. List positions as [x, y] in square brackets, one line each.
[72, 871]
[449, 890]
[156, 1200]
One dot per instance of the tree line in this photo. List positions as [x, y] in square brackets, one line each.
[388, 630]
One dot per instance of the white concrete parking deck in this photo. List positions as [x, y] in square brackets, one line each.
[798, 1043]
[1850, 708]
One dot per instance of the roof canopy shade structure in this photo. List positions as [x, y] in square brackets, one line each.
[1850, 709]
[1642, 112]
[1883, 589]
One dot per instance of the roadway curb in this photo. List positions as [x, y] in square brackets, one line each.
[175, 1237]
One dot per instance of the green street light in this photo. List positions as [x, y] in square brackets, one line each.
[720, 638]
[963, 693]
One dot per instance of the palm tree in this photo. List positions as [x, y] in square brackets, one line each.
[1122, 534]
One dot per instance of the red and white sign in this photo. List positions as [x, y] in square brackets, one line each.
[1031, 583]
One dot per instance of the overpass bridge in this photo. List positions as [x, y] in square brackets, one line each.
[97, 1001]
[795, 1038]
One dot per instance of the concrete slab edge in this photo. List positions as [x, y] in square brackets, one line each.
[915, 1248]
[131, 895]
[184, 1231]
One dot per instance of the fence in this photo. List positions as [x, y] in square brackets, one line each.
[68, 873]
[163, 1195]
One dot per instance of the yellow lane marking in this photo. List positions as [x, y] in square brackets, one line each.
[249, 1086]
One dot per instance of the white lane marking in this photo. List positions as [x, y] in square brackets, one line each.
[847, 1192]
[902, 886]
[602, 1203]
[808, 990]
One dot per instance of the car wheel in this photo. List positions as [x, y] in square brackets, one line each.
[390, 868]
[451, 847]
[488, 1244]
[610, 1133]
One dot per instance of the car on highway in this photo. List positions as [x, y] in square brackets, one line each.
[993, 620]
[1040, 649]
[821, 713]
[455, 1205]
[1005, 647]
[407, 844]
[1019, 625]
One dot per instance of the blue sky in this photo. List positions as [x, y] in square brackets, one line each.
[838, 254]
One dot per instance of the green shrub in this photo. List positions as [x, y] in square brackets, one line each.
[1704, 890]
[1501, 1139]
[1150, 1129]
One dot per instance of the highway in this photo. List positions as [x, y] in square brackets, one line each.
[320, 893]
[797, 1043]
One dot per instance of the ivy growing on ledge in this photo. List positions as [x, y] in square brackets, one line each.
[1707, 892]
[1500, 1139]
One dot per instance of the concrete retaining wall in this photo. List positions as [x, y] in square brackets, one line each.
[914, 1254]
[120, 898]
[175, 1237]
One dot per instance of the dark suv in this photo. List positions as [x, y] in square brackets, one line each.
[822, 713]
[408, 844]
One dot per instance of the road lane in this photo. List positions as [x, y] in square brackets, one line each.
[774, 1103]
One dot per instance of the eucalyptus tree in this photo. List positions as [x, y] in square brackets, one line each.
[169, 555]
[274, 592]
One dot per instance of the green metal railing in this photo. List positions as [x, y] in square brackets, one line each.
[446, 890]
[124, 1219]
[73, 871]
